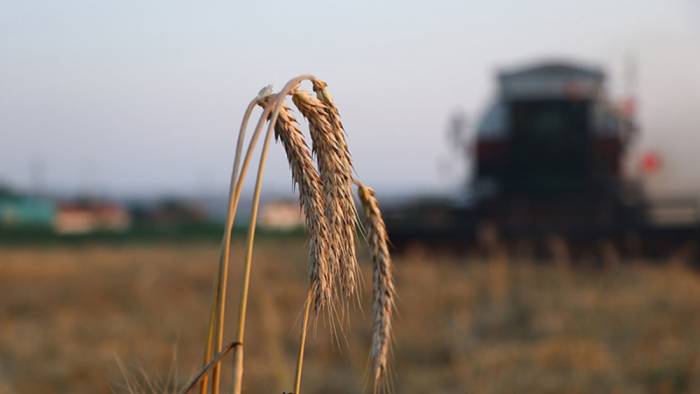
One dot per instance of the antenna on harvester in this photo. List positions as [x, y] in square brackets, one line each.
[630, 85]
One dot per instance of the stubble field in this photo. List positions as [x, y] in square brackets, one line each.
[99, 318]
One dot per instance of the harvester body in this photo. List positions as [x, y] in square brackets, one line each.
[549, 155]
[548, 158]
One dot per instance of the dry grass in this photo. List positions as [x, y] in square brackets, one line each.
[68, 313]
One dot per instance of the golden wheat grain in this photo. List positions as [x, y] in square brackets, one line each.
[335, 169]
[321, 89]
[383, 284]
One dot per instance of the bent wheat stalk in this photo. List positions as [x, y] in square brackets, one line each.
[219, 305]
[202, 375]
[302, 172]
[325, 195]
[217, 313]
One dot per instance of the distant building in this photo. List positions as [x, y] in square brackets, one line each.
[87, 217]
[281, 215]
[18, 210]
[171, 212]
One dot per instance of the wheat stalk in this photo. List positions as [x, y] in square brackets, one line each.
[247, 268]
[335, 169]
[216, 318]
[302, 342]
[307, 180]
[384, 293]
[325, 196]
[202, 374]
[218, 307]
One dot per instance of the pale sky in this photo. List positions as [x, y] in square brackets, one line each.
[145, 97]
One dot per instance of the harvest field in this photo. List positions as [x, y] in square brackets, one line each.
[100, 318]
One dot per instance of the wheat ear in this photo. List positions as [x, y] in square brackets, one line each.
[384, 293]
[335, 170]
[308, 181]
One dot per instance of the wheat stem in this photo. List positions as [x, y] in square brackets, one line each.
[302, 342]
[203, 373]
[210, 338]
[218, 308]
[245, 286]
[238, 352]
[217, 311]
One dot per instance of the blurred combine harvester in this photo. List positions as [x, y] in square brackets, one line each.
[548, 161]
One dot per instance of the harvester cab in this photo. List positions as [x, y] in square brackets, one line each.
[549, 155]
[551, 130]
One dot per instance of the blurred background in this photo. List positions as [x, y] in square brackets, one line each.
[535, 162]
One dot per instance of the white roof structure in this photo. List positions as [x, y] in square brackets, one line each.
[550, 80]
